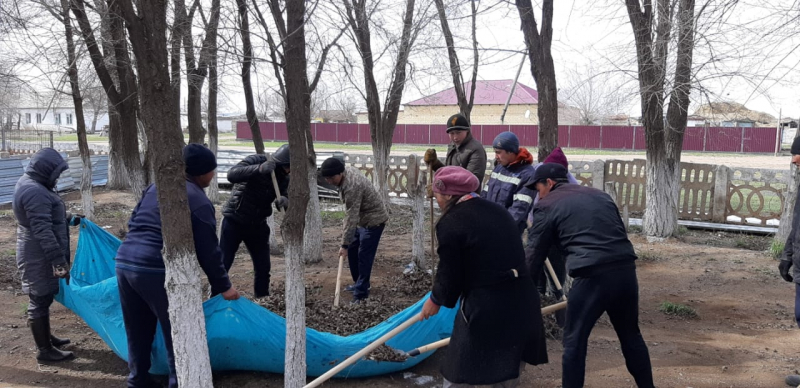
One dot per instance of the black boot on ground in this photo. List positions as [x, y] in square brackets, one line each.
[40, 328]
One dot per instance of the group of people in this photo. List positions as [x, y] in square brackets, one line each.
[484, 267]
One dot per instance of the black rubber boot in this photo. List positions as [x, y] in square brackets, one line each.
[57, 342]
[793, 380]
[40, 328]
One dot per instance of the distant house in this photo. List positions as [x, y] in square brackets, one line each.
[335, 116]
[53, 114]
[732, 114]
[696, 121]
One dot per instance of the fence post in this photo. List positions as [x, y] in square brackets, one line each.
[4, 137]
[611, 191]
[51, 139]
[720, 204]
[741, 147]
[601, 137]
[598, 174]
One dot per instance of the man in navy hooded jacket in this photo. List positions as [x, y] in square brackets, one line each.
[141, 272]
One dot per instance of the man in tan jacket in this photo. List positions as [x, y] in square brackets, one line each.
[364, 221]
[464, 150]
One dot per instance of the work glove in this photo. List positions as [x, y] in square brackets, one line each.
[429, 189]
[76, 219]
[267, 167]
[282, 203]
[60, 270]
[784, 267]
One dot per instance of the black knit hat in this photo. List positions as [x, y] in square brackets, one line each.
[331, 167]
[199, 160]
[546, 171]
[796, 146]
[457, 122]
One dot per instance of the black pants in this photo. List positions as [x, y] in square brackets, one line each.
[616, 292]
[39, 305]
[256, 239]
[144, 304]
[361, 256]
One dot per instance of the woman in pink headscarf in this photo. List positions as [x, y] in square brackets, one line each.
[498, 328]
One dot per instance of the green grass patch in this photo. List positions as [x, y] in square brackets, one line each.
[10, 252]
[74, 137]
[677, 309]
[23, 309]
[336, 215]
[635, 229]
[681, 231]
[649, 256]
[776, 248]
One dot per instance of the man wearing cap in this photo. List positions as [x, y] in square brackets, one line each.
[364, 221]
[140, 266]
[464, 150]
[246, 211]
[585, 224]
[791, 255]
[507, 186]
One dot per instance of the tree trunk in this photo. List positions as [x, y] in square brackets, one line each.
[213, 133]
[663, 188]
[543, 72]
[117, 175]
[789, 201]
[416, 193]
[195, 76]
[77, 100]
[147, 32]
[175, 55]
[298, 107]
[312, 239]
[380, 165]
[247, 60]
[464, 103]
[94, 121]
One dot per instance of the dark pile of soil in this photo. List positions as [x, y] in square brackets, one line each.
[387, 353]
[551, 329]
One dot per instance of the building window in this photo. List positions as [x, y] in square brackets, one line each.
[58, 118]
[38, 118]
[27, 118]
[69, 118]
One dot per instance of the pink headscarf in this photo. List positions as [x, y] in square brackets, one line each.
[454, 180]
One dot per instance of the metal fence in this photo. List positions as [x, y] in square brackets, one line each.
[24, 141]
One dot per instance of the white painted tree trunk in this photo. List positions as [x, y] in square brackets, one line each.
[661, 208]
[87, 202]
[312, 235]
[184, 291]
[416, 193]
[273, 236]
[295, 365]
[787, 214]
[212, 191]
[380, 172]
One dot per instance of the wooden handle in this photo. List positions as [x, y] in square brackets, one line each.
[338, 282]
[277, 189]
[380, 341]
[442, 343]
[433, 230]
[555, 278]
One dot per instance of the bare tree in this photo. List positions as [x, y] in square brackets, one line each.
[247, 60]
[382, 122]
[464, 103]
[595, 94]
[94, 97]
[543, 71]
[208, 64]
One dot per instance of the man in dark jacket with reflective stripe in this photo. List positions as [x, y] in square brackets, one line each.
[791, 256]
[141, 272]
[585, 224]
[507, 186]
[42, 246]
[464, 150]
[245, 214]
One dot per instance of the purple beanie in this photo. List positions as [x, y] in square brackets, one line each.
[454, 180]
[557, 156]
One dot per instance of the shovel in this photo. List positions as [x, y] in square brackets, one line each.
[277, 190]
[338, 282]
[555, 278]
[442, 343]
[361, 353]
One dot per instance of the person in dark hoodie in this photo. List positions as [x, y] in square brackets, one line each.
[141, 272]
[499, 326]
[464, 150]
[507, 186]
[791, 256]
[585, 224]
[245, 214]
[43, 246]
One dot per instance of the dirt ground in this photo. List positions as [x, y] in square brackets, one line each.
[744, 333]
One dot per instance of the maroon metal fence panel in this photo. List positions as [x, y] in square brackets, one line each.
[759, 139]
[399, 135]
[490, 132]
[528, 134]
[417, 134]
[439, 134]
[326, 132]
[347, 133]
[584, 136]
[617, 138]
[693, 138]
[563, 136]
[724, 139]
[639, 142]
[243, 131]
[281, 133]
[363, 134]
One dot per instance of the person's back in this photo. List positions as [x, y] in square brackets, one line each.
[590, 231]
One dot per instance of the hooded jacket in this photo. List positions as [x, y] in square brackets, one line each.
[470, 154]
[507, 187]
[42, 227]
[253, 192]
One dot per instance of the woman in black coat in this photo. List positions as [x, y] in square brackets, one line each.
[481, 263]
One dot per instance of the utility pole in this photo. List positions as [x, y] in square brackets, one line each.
[513, 86]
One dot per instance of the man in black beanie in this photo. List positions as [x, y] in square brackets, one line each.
[791, 256]
[584, 223]
[364, 221]
[140, 266]
[464, 150]
[246, 211]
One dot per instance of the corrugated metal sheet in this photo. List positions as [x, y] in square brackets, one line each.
[759, 139]
[587, 137]
[10, 171]
[617, 138]
[693, 138]
[724, 139]
[348, 133]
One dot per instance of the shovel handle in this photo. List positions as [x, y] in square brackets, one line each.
[338, 282]
[361, 353]
[442, 343]
[275, 186]
[554, 277]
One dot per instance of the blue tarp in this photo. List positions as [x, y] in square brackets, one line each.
[241, 334]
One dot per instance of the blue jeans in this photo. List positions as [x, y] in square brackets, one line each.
[361, 255]
[797, 303]
[144, 305]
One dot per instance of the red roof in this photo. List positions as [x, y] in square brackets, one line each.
[486, 93]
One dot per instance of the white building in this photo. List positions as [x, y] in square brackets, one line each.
[55, 114]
